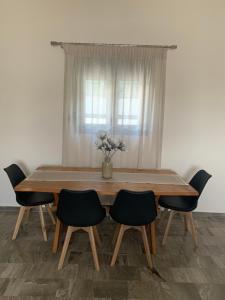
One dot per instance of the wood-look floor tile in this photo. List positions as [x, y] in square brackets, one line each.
[200, 261]
[4, 282]
[219, 260]
[211, 291]
[113, 289]
[39, 287]
[142, 289]
[189, 275]
[124, 273]
[82, 289]
[162, 291]
[175, 291]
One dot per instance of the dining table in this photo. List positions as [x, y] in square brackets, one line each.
[55, 178]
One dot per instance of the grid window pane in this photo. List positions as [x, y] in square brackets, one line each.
[126, 107]
[95, 102]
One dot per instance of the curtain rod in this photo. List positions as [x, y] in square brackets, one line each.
[54, 43]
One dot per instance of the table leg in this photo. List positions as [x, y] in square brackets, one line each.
[56, 236]
[157, 204]
[153, 238]
[56, 199]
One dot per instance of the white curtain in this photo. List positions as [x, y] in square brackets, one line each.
[118, 89]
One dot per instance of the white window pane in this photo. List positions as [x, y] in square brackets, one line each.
[129, 102]
[95, 102]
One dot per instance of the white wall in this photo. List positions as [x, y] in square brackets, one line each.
[31, 78]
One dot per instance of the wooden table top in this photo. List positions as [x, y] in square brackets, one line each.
[105, 188]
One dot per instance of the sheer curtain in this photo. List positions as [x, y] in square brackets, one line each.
[118, 89]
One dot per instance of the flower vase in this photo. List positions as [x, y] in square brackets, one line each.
[107, 167]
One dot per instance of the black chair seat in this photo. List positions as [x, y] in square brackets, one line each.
[131, 218]
[34, 198]
[178, 203]
[134, 208]
[77, 220]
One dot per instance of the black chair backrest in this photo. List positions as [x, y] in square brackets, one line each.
[199, 181]
[15, 174]
[86, 204]
[133, 205]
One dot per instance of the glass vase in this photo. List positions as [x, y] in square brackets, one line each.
[107, 167]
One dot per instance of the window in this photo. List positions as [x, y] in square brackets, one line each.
[129, 103]
[100, 110]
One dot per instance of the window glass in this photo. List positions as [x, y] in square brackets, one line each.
[126, 108]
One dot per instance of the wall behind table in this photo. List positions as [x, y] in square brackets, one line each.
[31, 78]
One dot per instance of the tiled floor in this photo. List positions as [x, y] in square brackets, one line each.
[28, 269]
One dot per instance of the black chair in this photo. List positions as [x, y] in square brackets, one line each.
[80, 210]
[27, 200]
[185, 204]
[133, 210]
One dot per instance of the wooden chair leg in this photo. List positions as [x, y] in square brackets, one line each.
[58, 230]
[116, 234]
[93, 248]
[163, 215]
[49, 210]
[118, 243]
[43, 223]
[168, 227]
[96, 235]
[27, 214]
[157, 204]
[69, 232]
[153, 238]
[186, 222]
[18, 222]
[193, 230]
[146, 246]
